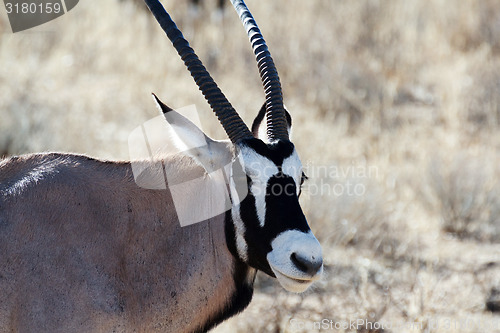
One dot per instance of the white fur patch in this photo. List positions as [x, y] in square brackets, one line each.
[262, 133]
[239, 230]
[288, 274]
[293, 167]
[259, 169]
[32, 177]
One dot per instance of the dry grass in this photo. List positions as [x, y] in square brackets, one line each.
[406, 89]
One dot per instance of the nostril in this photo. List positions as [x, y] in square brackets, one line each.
[299, 262]
[310, 266]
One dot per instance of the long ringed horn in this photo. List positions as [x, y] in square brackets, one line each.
[227, 115]
[275, 110]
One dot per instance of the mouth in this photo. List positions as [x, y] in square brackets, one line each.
[294, 284]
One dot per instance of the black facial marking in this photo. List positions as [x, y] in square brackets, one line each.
[257, 238]
[277, 152]
[282, 205]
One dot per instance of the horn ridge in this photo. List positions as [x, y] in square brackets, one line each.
[275, 110]
[227, 115]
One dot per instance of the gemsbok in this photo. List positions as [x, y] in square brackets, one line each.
[84, 248]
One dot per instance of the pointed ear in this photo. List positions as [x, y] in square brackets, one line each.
[191, 141]
[259, 125]
[160, 105]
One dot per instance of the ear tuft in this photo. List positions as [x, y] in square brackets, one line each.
[161, 106]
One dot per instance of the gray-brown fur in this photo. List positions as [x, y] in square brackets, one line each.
[84, 249]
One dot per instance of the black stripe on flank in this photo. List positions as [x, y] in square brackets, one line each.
[276, 152]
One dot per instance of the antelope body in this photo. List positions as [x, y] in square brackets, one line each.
[84, 248]
[91, 251]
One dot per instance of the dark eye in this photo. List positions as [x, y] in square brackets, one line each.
[303, 178]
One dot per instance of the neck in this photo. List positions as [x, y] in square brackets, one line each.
[202, 280]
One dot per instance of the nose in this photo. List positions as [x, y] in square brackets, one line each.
[307, 264]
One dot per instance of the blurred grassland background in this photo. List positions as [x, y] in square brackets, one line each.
[399, 100]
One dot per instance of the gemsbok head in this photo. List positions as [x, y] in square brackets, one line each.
[84, 246]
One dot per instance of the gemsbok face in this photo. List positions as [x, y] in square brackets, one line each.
[270, 229]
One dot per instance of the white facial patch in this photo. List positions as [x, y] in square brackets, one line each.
[260, 169]
[239, 230]
[293, 167]
[298, 244]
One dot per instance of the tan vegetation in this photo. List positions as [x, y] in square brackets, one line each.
[398, 101]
